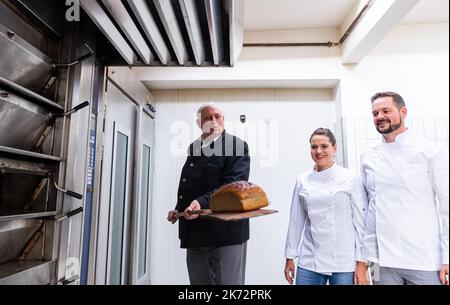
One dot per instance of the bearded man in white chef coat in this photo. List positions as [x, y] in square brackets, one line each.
[407, 181]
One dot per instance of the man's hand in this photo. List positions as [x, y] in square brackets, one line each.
[443, 275]
[289, 271]
[171, 216]
[195, 205]
[360, 277]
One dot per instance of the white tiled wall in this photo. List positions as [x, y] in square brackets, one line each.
[297, 112]
[360, 133]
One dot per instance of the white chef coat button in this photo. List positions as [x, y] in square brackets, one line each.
[180, 197]
[191, 164]
[184, 179]
[331, 207]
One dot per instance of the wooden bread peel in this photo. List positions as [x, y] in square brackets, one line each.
[229, 216]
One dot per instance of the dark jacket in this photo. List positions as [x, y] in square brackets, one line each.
[206, 169]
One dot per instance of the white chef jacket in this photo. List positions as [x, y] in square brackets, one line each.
[327, 221]
[407, 221]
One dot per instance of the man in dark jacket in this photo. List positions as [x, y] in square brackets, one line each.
[216, 250]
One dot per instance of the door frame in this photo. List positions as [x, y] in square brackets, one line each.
[117, 128]
[136, 95]
[135, 236]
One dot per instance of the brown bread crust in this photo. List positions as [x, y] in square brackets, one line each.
[238, 196]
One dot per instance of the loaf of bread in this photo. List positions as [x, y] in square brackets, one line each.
[238, 196]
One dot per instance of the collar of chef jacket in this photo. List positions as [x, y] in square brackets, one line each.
[324, 174]
[400, 138]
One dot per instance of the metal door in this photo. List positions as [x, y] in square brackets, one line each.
[140, 237]
[113, 244]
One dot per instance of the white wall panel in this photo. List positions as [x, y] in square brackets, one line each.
[277, 158]
[361, 134]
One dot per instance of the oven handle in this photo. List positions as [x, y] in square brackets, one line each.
[70, 193]
[70, 214]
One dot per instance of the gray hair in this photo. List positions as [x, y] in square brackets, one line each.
[208, 105]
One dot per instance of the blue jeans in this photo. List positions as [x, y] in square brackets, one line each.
[306, 277]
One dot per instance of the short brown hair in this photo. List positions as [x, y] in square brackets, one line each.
[398, 100]
[324, 132]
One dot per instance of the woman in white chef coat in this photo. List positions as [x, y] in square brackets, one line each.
[326, 225]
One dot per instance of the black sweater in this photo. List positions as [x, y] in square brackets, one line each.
[206, 169]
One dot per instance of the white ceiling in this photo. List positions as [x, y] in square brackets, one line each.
[428, 11]
[272, 15]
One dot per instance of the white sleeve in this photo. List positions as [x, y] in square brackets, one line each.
[359, 204]
[297, 223]
[370, 244]
[438, 170]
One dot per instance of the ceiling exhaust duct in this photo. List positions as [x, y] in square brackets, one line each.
[171, 32]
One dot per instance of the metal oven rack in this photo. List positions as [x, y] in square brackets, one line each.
[29, 170]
